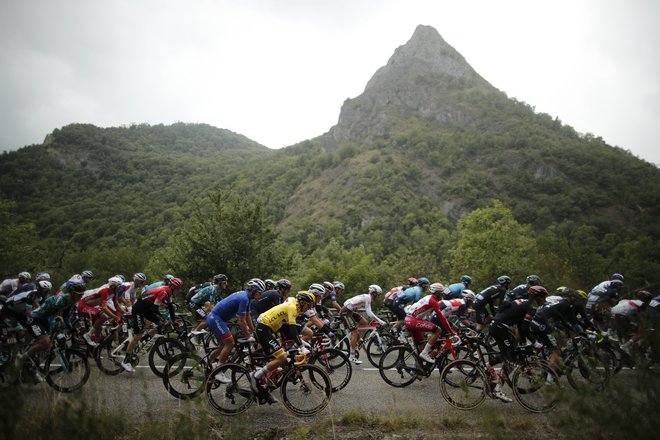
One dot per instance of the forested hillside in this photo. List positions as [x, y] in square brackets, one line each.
[431, 171]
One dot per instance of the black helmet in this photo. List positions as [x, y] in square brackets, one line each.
[533, 280]
[503, 280]
[219, 278]
[283, 284]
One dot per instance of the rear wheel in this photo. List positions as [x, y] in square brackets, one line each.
[108, 355]
[163, 350]
[398, 366]
[233, 396]
[536, 386]
[336, 364]
[463, 384]
[68, 370]
[376, 347]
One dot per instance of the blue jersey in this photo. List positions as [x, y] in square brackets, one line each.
[409, 295]
[153, 286]
[238, 303]
[455, 291]
[209, 293]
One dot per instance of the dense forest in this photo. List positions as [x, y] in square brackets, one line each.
[498, 189]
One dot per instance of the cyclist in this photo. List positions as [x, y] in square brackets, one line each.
[354, 320]
[455, 290]
[94, 305]
[560, 312]
[129, 290]
[338, 291]
[162, 283]
[626, 316]
[203, 301]
[417, 326]
[147, 308]
[270, 284]
[236, 304]
[270, 298]
[330, 296]
[389, 301]
[512, 317]
[8, 286]
[521, 291]
[600, 301]
[458, 307]
[484, 303]
[281, 318]
[408, 295]
[312, 316]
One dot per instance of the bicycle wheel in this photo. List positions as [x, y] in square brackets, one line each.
[589, 370]
[68, 370]
[463, 384]
[185, 375]
[230, 398]
[375, 347]
[163, 350]
[306, 390]
[107, 357]
[336, 364]
[398, 366]
[536, 386]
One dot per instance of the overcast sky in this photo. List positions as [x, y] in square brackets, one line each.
[278, 71]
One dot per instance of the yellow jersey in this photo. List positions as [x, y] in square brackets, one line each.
[279, 315]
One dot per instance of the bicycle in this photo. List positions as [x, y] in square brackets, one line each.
[465, 383]
[401, 365]
[305, 389]
[377, 340]
[334, 362]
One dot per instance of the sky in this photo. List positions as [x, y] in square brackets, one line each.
[278, 71]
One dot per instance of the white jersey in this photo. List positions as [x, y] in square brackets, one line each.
[421, 308]
[362, 301]
[627, 307]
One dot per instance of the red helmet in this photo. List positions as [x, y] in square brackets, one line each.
[176, 283]
[537, 291]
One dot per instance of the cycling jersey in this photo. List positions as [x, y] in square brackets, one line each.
[8, 286]
[209, 293]
[52, 306]
[600, 293]
[267, 301]
[628, 307]
[454, 307]
[99, 296]
[23, 301]
[414, 321]
[487, 297]
[276, 317]
[518, 292]
[409, 295]
[453, 291]
[238, 303]
[362, 301]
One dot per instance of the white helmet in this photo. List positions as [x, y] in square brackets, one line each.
[44, 285]
[437, 287]
[114, 281]
[317, 289]
[468, 295]
[375, 288]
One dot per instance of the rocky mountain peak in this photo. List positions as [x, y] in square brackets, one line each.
[415, 81]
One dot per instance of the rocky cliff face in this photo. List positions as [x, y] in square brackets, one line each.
[423, 78]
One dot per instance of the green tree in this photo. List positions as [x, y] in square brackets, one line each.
[19, 243]
[490, 242]
[226, 233]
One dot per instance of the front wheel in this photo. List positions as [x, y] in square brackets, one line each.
[110, 353]
[536, 386]
[306, 390]
[378, 345]
[68, 370]
[336, 364]
[184, 375]
[463, 384]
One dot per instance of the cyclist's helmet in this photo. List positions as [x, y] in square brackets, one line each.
[537, 291]
[583, 294]
[114, 281]
[175, 283]
[644, 295]
[44, 286]
[306, 297]
[270, 284]
[339, 285]
[616, 276]
[468, 296]
[437, 288]
[423, 281]
[466, 279]
[533, 280]
[122, 277]
[139, 277]
[412, 281]
[256, 284]
[283, 284]
[329, 286]
[87, 274]
[375, 288]
[562, 289]
[42, 276]
[24, 276]
[317, 289]
[220, 278]
[616, 283]
[503, 280]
